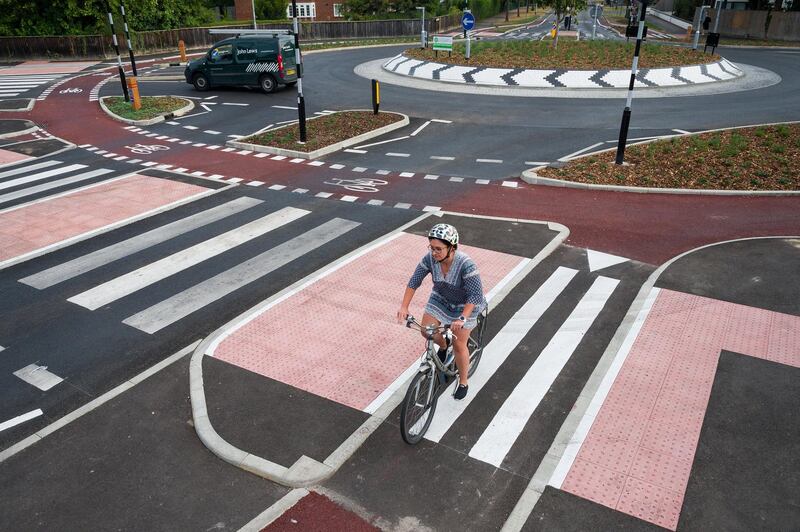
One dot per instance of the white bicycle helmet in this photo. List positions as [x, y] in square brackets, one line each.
[445, 233]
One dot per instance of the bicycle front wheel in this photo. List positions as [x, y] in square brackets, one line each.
[475, 344]
[418, 407]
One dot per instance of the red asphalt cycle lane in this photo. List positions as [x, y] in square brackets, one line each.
[649, 228]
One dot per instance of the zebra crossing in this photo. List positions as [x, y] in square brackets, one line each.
[15, 85]
[34, 179]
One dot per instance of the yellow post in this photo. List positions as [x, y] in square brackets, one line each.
[376, 95]
[182, 48]
[133, 85]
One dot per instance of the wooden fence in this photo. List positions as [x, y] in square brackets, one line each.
[101, 46]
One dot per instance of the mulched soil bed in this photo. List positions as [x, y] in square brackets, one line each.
[152, 106]
[578, 55]
[324, 131]
[760, 158]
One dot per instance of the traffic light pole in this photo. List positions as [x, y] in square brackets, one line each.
[301, 102]
[626, 114]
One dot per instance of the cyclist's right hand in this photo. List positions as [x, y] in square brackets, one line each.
[402, 314]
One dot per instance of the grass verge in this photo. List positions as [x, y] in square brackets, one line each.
[324, 131]
[152, 106]
[757, 158]
[587, 55]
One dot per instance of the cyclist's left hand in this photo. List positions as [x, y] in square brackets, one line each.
[457, 325]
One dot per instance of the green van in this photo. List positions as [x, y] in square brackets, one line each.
[246, 60]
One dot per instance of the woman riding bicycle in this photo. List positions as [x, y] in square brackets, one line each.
[457, 297]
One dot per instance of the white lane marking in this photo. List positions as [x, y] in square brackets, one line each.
[38, 376]
[406, 174]
[336, 166]
[125, 248]
[509, 184]
[349, 199]
[682, 131]
[482, 181]
[506, 426]
[439, 120]
[432, 177]
[298, 160]
[536, 163]
[52, 184]
[571, 155]
[494, 161]
[28, 168]
[323, 195]
[255, 183]
[578, 437]
[238, 104]
[278, 157]
[420, 128]
[210, 97]
[599, 260]
[300, 190]
[277, 187]
[393, 154]
[442, 158]
[402, 205]
[131, 282]
[431, 208]
[496, 352]
[359, 169]
[40, 176]
[285, 107]
[191, 127]
[381, 142]
[315, 163]
[350, 150]
[13, 422]
[382, 172]
[211, 132]
[375, 202]
[192, 299]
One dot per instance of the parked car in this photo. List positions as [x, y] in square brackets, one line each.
[255, 60]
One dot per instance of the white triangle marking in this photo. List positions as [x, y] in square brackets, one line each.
[599, 260]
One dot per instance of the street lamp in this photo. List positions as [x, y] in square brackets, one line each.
[423, 35]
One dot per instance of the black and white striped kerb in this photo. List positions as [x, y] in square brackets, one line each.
[722, 70]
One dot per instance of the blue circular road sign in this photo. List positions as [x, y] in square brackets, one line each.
[468, 21]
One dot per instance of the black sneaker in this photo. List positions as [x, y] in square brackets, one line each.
[461, 392]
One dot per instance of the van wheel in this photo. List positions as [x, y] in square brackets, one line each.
[200, 82]
[267, 83]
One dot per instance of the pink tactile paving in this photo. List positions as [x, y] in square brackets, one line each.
[41, 224]
[11, 157]
[338, 338]
[646, 433]
[46, 67]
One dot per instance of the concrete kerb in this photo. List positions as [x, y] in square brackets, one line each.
[306, 471]
[27, 107]
[605, 370]
[32, 128]
[404, 121]
[531, 177]
[166, 116]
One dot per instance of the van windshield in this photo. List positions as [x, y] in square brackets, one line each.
[221, 54]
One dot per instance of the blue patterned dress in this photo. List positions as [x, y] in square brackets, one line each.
[450, 293]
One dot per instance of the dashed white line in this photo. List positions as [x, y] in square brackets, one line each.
[191, 127]
[482, 181]
[536, 163]
[382, 172]
[431, 176]
[392, 154]
[336, 166]
[285, 107]
[254, 183]
[402, 205]
[457, 179]
[420, 128]
[349, 198]
[431, 208]
[212, 132]
[261, 155]
[381, 142]
[300, 190]
[439, 120]
[406, 174]
[323, 195]
[13, 422]
[359, 169]
[442, 158]
[298, 160]
[350, 150]
[375, 202]
[510, 184]
[277, 187]
[315, 163]
[493, 161]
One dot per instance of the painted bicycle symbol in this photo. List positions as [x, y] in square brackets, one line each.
[363, 184]
[71, 90]
[145, 149]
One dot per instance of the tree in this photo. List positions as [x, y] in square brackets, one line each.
[561, 8]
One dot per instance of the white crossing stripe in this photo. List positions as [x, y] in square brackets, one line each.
[5, 198]
[496, 441]
[129, 283]
[28, 168]
[448, 409]
[192, 299]
[101, 257]
[13, 422]
[40, 176]
[38, 376]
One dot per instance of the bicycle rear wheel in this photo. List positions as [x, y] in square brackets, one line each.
[475, 344]
[419, 405]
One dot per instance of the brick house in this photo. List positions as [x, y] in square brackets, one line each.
[317, 10]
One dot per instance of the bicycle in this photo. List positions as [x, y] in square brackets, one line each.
[434, 376]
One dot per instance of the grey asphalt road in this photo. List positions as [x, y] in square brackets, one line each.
[506, 132]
